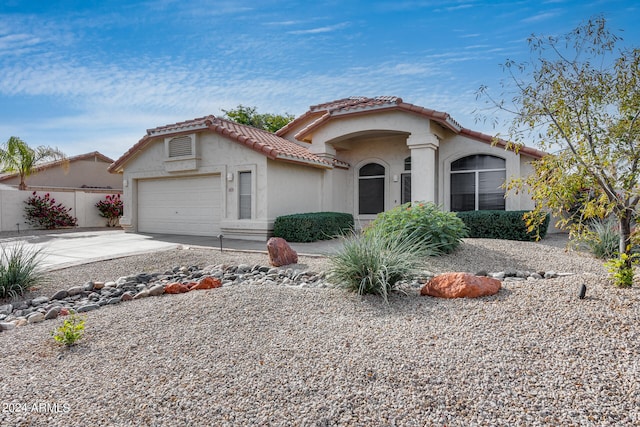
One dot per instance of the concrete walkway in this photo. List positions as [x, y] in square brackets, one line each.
[69, 248]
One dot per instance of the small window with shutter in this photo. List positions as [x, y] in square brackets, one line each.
[180, 146]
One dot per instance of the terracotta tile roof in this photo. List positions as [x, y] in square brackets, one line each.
[48, 165]
[267, 143]
[483, 137]
[360, 105]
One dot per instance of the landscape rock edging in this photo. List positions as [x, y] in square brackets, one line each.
[94, 294]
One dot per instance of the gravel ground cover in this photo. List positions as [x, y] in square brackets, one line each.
[534, 354]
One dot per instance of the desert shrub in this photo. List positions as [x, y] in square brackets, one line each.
[311, 227]
[508, 225]
[602, 238]
[111, 208]
[439, 231]
[70, 331]
[373, 262]
[19, 269]
[43, 212]
[621, 269]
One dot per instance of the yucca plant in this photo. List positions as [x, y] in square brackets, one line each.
[603, 238]
[19, 269]
[373, 262]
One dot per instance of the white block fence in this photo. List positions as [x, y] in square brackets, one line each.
[82, 203]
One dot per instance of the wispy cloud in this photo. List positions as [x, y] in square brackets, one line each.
[542, 16]
[320, 30]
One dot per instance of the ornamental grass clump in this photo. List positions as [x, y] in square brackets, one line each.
[19, 270]
[373, 262]
[427, 224]
[603, 238]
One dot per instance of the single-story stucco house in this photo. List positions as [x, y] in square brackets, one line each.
[87, 171]
[210, 176]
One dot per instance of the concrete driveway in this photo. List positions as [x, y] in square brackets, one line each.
[69, 248]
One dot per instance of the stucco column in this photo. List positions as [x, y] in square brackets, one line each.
[424, 170]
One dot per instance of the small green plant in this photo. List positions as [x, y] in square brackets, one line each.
[621, 269]
[70, 331]
[19, 269]
[425, 222]
[43, 212]
[111, 208]
[373, 262]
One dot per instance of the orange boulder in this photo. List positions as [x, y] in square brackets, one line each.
[206, 283]
[176, 288]
[461, 285]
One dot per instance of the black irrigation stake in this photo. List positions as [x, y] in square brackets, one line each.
[220, 236]
[583, 291]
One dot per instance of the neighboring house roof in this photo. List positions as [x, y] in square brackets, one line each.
[61, 163]
[264, 142]
[322, 113]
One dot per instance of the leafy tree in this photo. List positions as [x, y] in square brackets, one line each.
[579, 96]
[250, 116]
[17, 157]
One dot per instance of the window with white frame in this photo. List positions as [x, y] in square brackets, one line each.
[476, 183]
[244, 195]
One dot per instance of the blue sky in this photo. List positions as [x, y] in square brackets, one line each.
[89, 75]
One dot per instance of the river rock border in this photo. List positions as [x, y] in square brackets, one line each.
[94, 295]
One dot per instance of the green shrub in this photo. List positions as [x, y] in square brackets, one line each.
[43, 212]
[373, 262]
[311, 227]
[621, 269]
[19, 270]
[70, 331]
[508, 225]
[439, 231]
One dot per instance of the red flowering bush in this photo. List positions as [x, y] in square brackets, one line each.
[43, 212]
[110, 208]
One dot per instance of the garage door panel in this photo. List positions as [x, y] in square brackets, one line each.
[180, 205]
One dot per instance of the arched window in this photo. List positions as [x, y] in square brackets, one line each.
[371, 189]
[476, 183]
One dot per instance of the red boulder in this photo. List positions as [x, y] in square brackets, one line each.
[206, 283]
[176, 288]
[461, 285]
[280, 253]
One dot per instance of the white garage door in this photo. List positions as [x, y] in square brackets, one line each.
[189, 206]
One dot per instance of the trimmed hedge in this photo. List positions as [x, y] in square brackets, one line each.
[313, 226]
[508, 225]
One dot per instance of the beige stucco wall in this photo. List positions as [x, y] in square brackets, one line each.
[90, 173]
[82, 204]
[293, 189]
